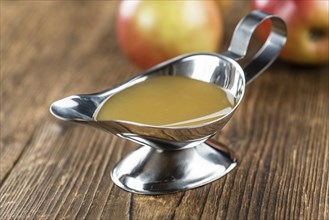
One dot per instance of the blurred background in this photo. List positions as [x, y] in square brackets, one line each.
[53, 49]
[83, 46]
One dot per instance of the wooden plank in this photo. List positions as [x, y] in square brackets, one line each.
[57, 170]
[50, 55]
[61, 173]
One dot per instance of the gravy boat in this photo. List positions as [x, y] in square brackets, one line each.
[177, 158]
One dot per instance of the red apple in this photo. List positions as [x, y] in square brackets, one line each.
[308, 28]
[150, 32]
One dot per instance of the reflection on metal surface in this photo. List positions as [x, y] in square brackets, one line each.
[179, 158]
[152, 171]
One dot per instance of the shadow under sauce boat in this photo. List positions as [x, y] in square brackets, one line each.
[172, 159]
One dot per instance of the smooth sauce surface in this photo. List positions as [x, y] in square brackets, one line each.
[168, 101]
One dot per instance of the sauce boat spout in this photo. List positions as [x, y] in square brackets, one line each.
[78, 108]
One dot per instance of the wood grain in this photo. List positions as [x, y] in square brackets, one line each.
[55, 170]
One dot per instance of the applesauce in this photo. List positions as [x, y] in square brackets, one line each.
[168, 101]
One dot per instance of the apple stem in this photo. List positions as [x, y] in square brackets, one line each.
[317, 34]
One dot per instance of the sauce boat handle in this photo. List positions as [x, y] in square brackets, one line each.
[268, 52]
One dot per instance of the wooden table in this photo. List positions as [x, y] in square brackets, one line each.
[53, 170]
